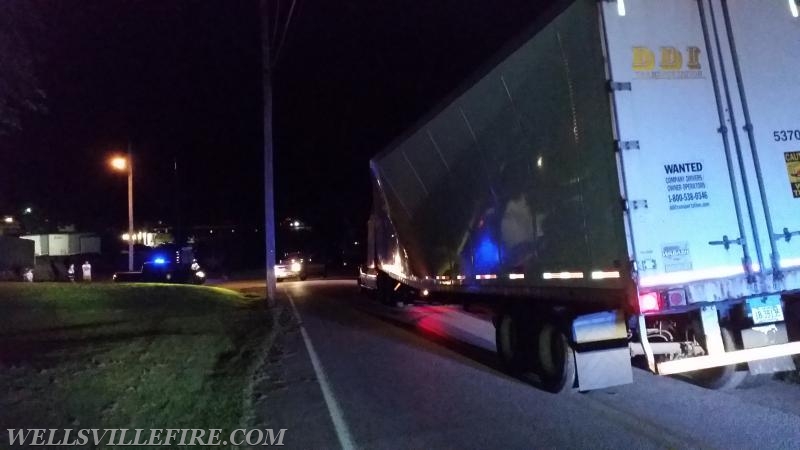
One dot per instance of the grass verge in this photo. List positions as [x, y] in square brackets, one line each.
[126, 356]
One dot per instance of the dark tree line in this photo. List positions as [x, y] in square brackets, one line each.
[20, 87]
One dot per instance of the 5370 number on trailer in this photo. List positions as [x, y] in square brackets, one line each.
[786, 135]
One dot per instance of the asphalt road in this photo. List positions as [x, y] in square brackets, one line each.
[355, 374]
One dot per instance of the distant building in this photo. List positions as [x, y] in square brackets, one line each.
[64, 244]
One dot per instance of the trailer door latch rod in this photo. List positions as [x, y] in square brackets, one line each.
[786, 235]
[726, 242]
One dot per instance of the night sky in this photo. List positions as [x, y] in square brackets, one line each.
[182, 81]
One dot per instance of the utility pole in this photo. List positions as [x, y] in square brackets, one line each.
[177, 230]
[130, 207]
[269, 199]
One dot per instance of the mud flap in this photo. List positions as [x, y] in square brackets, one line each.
[761, 336]
[600, 369]
[599, 366]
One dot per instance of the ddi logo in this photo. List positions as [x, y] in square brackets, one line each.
[670, 60]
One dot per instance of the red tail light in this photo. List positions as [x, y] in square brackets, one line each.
[649, 302]
[676, 297]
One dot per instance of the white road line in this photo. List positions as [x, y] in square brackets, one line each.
[342, 432]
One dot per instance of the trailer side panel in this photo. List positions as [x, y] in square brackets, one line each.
[514, 184]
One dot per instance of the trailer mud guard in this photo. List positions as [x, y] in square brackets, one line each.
[602, 356]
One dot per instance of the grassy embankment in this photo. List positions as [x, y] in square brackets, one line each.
[126, 356]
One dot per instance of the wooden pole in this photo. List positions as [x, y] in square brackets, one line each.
[269, 199]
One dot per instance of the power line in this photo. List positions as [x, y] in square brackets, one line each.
[284, 33]
[277, 21]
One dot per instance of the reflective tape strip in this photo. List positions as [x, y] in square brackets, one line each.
[728, 358]
[603, 275]
[690, 275]
[562, 275]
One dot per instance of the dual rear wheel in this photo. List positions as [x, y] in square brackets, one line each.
[537, 351]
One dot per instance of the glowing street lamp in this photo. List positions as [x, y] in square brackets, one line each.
[123, 164]
[119, 163]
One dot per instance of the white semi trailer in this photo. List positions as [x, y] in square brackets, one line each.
[622, 182]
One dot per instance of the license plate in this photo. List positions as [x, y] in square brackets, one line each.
[766, 311]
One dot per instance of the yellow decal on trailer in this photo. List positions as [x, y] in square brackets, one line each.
[672, 62]
[793, 167]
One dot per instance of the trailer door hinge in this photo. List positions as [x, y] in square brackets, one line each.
[627, 145]
[726, 242]
[627, 205]
[649, 264]
[619, 86]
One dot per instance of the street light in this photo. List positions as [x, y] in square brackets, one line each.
[123, 164]
[119, 163]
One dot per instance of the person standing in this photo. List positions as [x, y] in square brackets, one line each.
[87, 271]
[71, 273]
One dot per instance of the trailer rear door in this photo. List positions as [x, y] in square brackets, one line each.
[684, 217]
[764, 52]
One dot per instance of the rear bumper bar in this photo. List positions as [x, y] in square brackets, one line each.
[728, 358]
